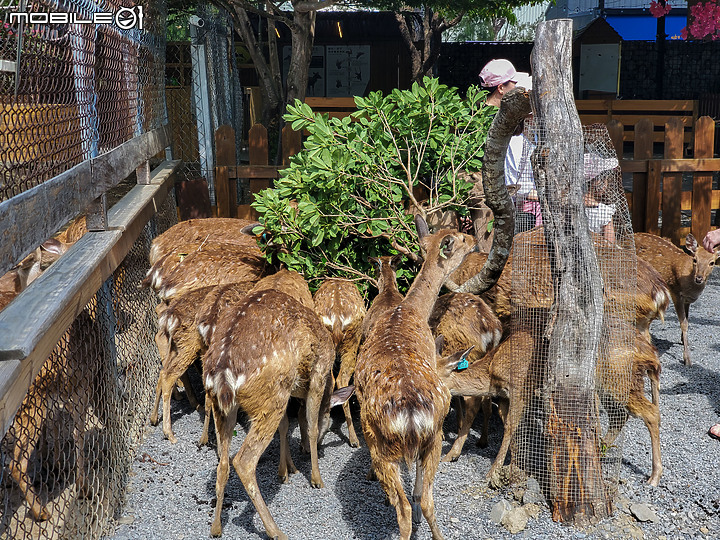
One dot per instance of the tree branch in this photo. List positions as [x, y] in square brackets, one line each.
[514, 106]
[308, 6]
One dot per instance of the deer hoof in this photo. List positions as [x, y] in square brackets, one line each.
[416, 514]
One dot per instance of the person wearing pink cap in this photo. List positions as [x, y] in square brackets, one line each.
[499, 77]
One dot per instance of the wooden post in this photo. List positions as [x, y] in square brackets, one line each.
[702, 183]
[672, 182]
[225, 157]
[291, 144]
[577, 491]
[643, 150]
[258, 155]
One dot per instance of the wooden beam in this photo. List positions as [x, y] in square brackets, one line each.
[32, 324]
[672, 183]
[31, 217]
[702, 183]
[253, 171]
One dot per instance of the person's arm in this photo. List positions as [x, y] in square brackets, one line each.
[711, 240]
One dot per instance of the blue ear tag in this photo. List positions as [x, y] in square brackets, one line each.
[462, 364]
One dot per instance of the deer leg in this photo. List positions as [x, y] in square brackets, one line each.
[317, 404]
[262, 430]
[472, 406]
[486, 404]
[684, 309]
[286, 463]
[510, 412]
[189, 392]
[417, 494]
[158, 393]
[206, 424]
[638, 405]
[167, 383]
[389, 476]
[347, 368]
[224, 430]
[427, 503]
[302, 421]
[27, 425]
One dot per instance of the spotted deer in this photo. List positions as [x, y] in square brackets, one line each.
[341, 308]
[403, 400]
[267, 348]
[388, 296]
[685, 273]
[465, 320]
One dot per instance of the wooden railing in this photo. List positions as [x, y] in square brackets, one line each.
[658, 182]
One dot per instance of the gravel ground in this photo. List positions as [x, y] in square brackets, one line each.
[172, 488]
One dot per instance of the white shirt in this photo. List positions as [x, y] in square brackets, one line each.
[599, 216]
[518, 170]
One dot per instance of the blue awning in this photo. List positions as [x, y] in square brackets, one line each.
[644, 27]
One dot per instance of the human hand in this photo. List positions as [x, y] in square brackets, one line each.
[711, 240]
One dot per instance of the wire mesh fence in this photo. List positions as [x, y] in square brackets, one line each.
[67, 455]
[70, 91]
[550, 416]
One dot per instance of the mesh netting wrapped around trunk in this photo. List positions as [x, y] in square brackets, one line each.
[571, 300]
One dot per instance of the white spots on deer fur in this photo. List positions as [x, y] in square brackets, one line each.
[328, 320]
[169, 292]
[234, 382]
[346, 321]
[264, 360]
[173, 322]
[204, 329]
[423, 421]
[498, 335]
[209, 382]
[399, 423]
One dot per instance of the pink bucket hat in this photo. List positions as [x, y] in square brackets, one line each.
[497, 72]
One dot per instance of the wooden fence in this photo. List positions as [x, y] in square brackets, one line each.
[657, 199]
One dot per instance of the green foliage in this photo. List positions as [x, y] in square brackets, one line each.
[346, 196]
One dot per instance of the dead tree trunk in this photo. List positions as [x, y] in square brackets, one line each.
[577, 489]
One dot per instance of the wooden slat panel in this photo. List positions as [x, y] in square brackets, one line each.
[258, 145]
[224, 158]
[30, 326]
[702, 183]
[291, 144]
[30, 218]
[672, 165]
[652, 199]
[615, 130]
[687, 105]
[587, 119]
[326, 103]
[253, 171]
[643, 150]
[672, 182]
[656, 119]
[592, 104]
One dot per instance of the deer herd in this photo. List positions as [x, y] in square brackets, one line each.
[258, 337]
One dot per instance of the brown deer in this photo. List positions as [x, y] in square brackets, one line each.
[685, 273]
[504, 372]
[196, 231]
[388, 296]
[465, 320]
[650, 297]
[403, 400]
[267, 348]
[341, 309]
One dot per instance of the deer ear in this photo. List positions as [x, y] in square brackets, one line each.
[341, 395]
[375, 262]
[691, 244]
[248, 229]
[446, 246]
[439, 343]
[396, 260]
[459, 361]
[421, 226]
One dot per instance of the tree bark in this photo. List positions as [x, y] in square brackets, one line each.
[514, 107]
[577, 489]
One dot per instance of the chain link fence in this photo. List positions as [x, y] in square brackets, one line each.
[69, 92]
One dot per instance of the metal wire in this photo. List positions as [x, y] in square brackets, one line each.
[531, 299]
[74, 439]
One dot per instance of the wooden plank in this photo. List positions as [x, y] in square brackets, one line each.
[587, 119]
[31, 217]
[291, 144]
[643, 150]
[331, 102]
[253, 171]
[686, 105]
[32, 324]
[702, 183]
[592, 105]
[224, 158]
[616, 130]
[258, 145]
[672, 165]
[672, 182]
[658, 120]
[652, 199]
